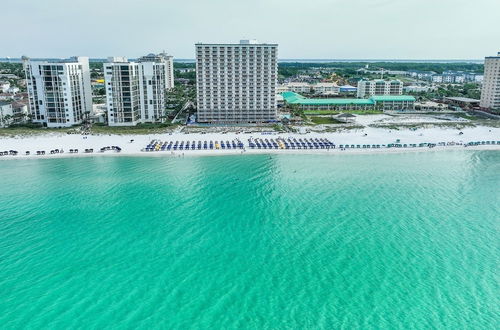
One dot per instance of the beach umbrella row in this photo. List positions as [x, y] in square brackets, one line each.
[290, 143]
[157, 145]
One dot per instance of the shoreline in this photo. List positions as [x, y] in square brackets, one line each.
[254, 152]
[132, 145]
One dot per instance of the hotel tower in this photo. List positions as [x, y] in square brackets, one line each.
[236, 83]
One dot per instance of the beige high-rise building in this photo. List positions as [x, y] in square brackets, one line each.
[490, 92]
[236, 83]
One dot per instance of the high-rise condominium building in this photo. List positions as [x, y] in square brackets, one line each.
[367, 88]
[236, 83]
[490, 92]
[59, 91]
[136, 92]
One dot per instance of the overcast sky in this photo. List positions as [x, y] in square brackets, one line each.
[326, 29]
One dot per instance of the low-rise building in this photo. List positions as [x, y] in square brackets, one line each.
[462, 102]
[424, 75]
[6, 113]
[376, 102]
[299, 87]
[379, 87]
[6, 96]
[348, 89]
[13, 90]
[19, 111]
[419, 89]
[430, 106]
[324, 88]
[4, 86]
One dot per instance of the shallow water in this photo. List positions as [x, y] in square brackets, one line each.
[283, 241]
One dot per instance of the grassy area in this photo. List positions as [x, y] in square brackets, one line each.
[14, 131]
[333, 112]
[343, 128]
[423, 125]
[324, 120]
[96, 129]
[139, 129]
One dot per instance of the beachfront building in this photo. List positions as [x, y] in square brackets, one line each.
[59, 91]
[236, 83]
[376, 102]
[136, 92]
[368, 88]
[490, 92]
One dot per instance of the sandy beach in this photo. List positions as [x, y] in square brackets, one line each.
[367, 135]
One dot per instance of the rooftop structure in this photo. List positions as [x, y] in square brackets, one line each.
[385, 102]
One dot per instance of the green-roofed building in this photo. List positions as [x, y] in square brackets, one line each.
[383, 102]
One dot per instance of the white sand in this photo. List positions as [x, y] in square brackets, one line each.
[374, 136]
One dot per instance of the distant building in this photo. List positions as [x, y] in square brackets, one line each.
[382, 71]
[4, 86]
[419, 89]
[59, 91]
[326, 88]
[455, 77]
[236, 83]
[490, 92]
[424, 75]
[136, 92]
[186, 70]
[348, 89]
[447, 79]
[298, 87]
[368, 88]
[6, 96]
[13, 90]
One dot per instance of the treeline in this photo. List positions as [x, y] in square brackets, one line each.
[13, 68]
[397, 66]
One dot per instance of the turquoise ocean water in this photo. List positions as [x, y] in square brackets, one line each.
[399, 241]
